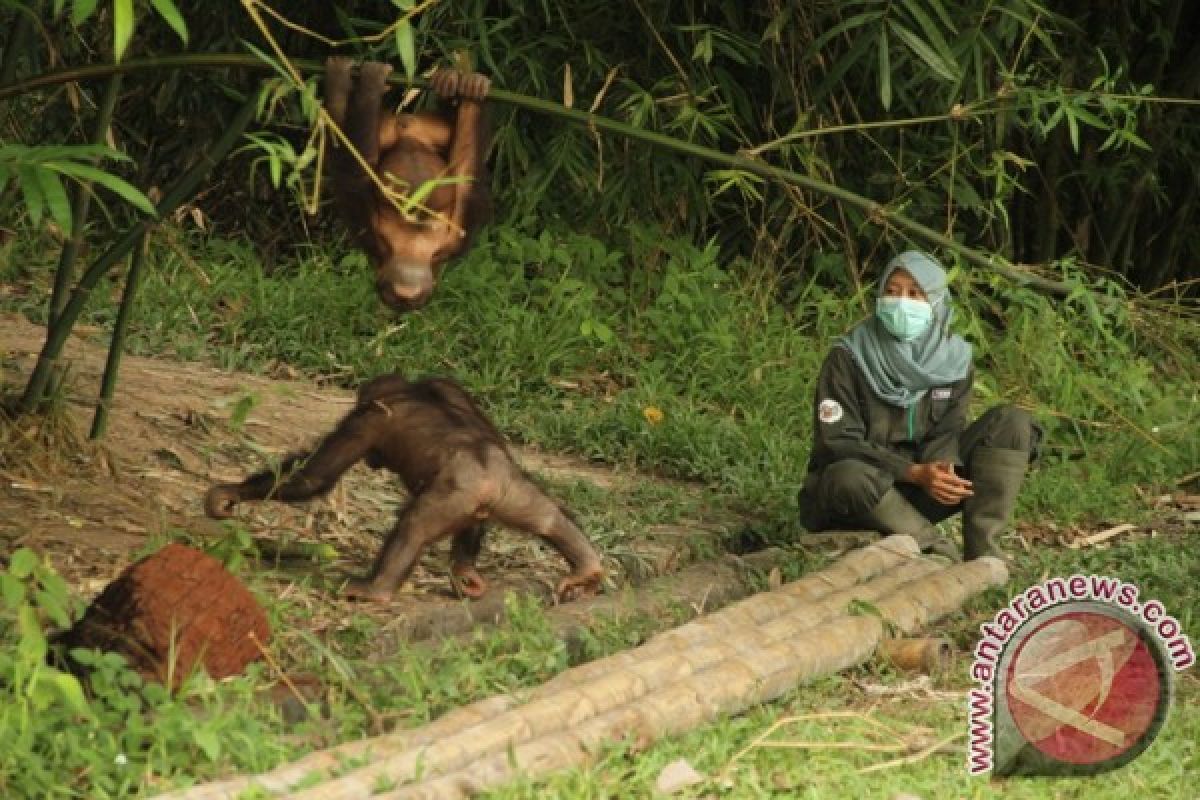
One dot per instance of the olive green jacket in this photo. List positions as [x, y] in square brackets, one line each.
[851, 422]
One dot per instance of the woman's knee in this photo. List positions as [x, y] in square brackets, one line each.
[851, 488]
[1008, 427]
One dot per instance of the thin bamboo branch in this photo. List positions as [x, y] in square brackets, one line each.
[112, 364]
[181, 190]
[80, 201]
[874, 211]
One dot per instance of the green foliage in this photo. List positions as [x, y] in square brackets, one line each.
[124, 19]
[56, 740]
[39, 171]
[663, 355]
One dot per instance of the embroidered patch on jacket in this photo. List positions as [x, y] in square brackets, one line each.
[829, 411]
[942, 394]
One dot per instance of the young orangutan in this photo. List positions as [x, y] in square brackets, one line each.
[459, 472]
[406, 151]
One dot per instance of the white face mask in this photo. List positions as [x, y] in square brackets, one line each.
[904, 317]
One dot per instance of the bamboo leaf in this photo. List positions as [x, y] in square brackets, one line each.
[122, 27]
[56, 198]
[930, 29]
[405, 48]
[924, 51]
[116, 185]
[943, 15]
[857, 21]
[31, 190]
[81, 10]
[1081, 113]
[885, 70]
[167, 10]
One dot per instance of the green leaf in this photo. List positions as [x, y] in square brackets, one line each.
[1073, 130]
[23, 563]
[405, 48]
[885, 70]
[207, 741]
[122, 27]
[11, 590]
[81, 10]
[1081, 113]
[857, 21]
[54, 608]
[924, 52]
[31, 190]
[69, 691]
[931, 31]
[32, 645]
[56, 198]
[241, 411]
[167, 10]
[276, 166]
[111, 182]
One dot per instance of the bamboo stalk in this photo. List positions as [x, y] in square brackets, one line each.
[591, 690]
[80, 201]
[108, 381]
[181, 190]
[552, 735]
[631, 678]
[837, 582]
[874, 212]
[730, 687]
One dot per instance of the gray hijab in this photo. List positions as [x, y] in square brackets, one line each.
[900, 373]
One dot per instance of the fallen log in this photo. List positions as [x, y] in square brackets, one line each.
[696, 588]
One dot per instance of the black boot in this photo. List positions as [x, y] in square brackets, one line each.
[996, 475]
[893, 514]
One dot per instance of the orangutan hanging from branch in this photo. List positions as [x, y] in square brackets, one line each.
[429, 192]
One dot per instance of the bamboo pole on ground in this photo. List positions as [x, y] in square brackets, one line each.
[574, 698]
[712, 678]
[842, 575]
[728, 687]
[601, 690]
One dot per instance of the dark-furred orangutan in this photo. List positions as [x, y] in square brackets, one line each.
[459, 472]
[406, 151]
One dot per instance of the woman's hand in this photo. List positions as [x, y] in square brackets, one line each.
[940, 482]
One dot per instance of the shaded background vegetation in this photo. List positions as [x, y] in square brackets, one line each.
[1050, 130]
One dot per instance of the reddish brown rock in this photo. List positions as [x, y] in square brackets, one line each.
[172, 611]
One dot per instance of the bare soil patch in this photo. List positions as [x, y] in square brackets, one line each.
[93, 510]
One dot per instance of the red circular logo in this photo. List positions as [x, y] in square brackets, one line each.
[1084, 688]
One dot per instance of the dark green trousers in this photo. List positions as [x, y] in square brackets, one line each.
[840, 495]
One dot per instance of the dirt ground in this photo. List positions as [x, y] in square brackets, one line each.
[93, 510]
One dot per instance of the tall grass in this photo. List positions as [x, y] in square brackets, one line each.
[658, 353]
